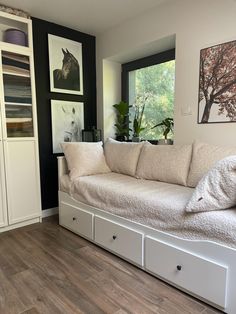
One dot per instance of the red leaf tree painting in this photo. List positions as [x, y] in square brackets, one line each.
[217, 83]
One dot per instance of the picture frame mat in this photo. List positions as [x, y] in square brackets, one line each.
[61, 121]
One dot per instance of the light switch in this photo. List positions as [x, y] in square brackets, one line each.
[186, 110]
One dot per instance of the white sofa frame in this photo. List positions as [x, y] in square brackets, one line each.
[159, 251]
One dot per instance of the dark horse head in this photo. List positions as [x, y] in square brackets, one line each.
[69, 76]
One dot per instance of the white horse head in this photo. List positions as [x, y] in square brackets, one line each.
[71, 127]
[67, 126]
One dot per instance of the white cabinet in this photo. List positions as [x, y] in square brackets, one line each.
[19, 165]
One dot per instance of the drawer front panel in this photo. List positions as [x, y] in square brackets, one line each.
[119, 239]
[202, 277]
[77, 220]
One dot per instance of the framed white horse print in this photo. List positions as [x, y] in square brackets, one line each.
[67, 122]
[65, 65]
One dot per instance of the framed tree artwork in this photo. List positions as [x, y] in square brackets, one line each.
[217, 84]
[67, 122]
[65, 65]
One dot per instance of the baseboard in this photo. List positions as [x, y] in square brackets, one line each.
[49, 212]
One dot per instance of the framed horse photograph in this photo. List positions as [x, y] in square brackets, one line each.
[65, 65]
[67, 122]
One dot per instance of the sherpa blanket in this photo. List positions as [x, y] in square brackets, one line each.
[155, 204]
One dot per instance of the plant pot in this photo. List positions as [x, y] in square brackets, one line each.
[120, 138]
[165, 141]
[135, 139]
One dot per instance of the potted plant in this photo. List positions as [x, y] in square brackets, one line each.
[122, 121]
[167, 125]
[138, 117]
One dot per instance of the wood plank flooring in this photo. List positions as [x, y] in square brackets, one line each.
[46, 269]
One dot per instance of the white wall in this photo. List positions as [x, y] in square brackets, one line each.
[111, 95]
[196, 24]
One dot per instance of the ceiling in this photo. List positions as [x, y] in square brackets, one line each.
[89, 16]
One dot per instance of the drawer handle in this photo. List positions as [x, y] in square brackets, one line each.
[74, 218]
[179, 267]
[114, 237]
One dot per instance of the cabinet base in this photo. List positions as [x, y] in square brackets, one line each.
[21, 224]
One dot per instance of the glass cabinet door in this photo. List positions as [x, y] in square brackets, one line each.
[17, 95]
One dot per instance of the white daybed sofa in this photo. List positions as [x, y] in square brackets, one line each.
[144, 220]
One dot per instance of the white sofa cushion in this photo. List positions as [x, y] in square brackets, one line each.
[122, 157]
[217, 189]
[84, 159]
[203, 158]
[166, 163]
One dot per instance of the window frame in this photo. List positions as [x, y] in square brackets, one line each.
[155, 59]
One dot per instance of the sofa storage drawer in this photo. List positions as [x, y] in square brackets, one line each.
[195, 274]
[119, 239]
[76, 220]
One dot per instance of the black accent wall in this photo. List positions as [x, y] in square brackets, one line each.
[48, 160]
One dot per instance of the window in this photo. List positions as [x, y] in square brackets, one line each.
[151, 80]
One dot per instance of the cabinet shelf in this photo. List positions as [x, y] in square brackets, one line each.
[18, 104]
[16, 74]
[19, 120]
[13, 47]
[15, 66]
[17, 89]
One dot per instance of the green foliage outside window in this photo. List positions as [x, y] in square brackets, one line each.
[158, 82]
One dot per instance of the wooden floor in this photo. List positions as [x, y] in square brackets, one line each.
[46, 269]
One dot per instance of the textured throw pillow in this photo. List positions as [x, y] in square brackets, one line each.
[203, 158]
[84, 159]
[217, 189]
[122, 157]
[166, 163]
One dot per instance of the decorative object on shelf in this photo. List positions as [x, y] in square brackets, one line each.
[91, 135]
[122, 121]
[217, 85]
[139, 107]
[65, 65]
[17, 94]
[167, 126]
[15, 36]
[14, 11]
[15, 64]
[67, 122]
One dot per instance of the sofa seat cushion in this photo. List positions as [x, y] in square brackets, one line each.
[122, 157]
[203, 159]
[166, 163]
[155, 204]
